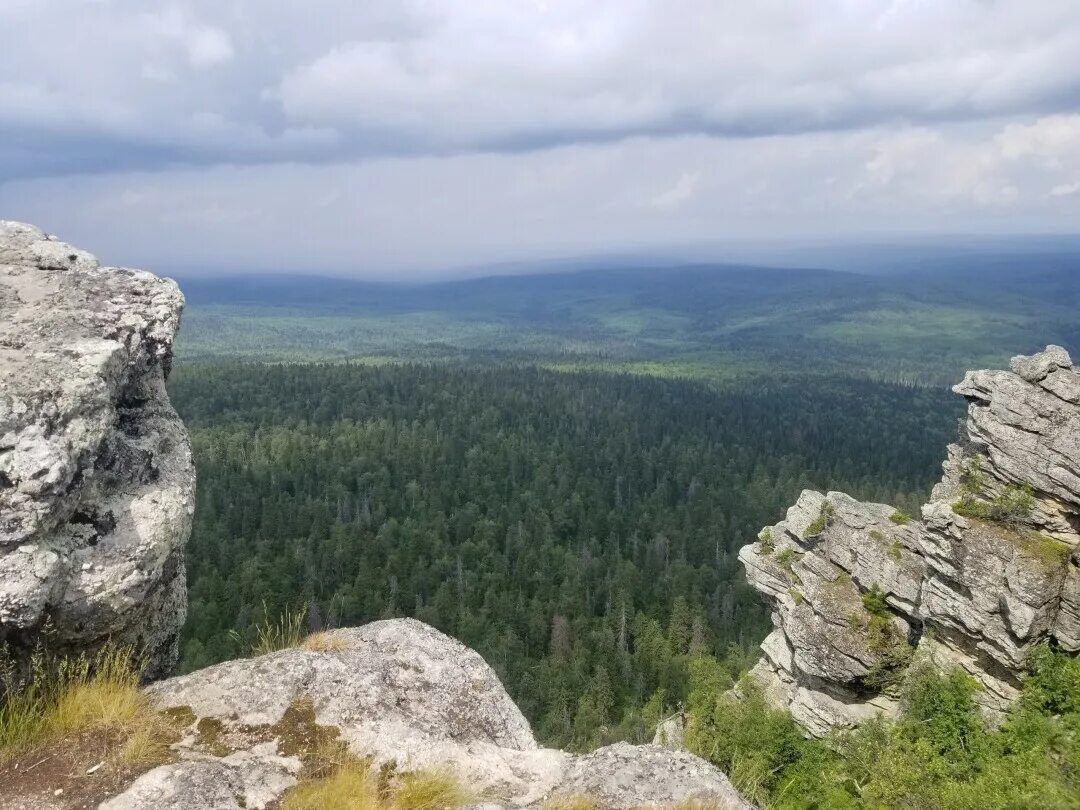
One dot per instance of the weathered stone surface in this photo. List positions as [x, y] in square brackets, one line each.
[399, 690]
[624, 776]
[970, 592]
[245, 780]
[96, 479]
[1029, 426]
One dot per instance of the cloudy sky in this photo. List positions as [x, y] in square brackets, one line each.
[403, 137]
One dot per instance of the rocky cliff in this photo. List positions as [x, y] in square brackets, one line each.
[861, 591]
[96, 479]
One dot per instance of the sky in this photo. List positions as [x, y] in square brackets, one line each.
[411, 138]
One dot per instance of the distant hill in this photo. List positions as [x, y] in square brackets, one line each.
[925, 323]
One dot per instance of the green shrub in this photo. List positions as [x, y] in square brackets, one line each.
[900, 518]
[785, 557]
[822, 521]
[938, 754]
[751, 742]
[971, 507]
[1012, 508]
[885, 641]
[768, 544]
[972, 476]
[874, 602]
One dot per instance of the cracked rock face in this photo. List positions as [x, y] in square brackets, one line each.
[395, 690]
[96, 479]
[860, 592]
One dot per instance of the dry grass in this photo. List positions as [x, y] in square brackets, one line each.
[325, 642]
[62, 699]
[428, 790]
[147, 742]
[336, 780]
[285, 632]
[351, 786]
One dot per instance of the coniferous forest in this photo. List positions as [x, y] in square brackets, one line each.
[579, 530]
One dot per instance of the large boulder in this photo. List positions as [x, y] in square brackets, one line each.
[860, 591]
[396, 691]
[96, 479]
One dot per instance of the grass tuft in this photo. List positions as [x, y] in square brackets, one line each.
[900, 518]
[271, 635]
[428, 790]
[325, 642]
[821, 522]
[334, 779]
[59, 699]
[351, 786]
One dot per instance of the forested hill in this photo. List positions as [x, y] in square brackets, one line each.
[579, 530]
[926, 324]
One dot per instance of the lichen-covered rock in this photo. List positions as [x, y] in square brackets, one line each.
[395, 691]
[624, 776]
[96, 478]
[860, 591]
[245, 780]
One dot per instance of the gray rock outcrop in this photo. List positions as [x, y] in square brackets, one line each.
[396, 691]
[860, 591]
[96, 478]
[635, 776]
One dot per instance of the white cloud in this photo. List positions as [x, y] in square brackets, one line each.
[679, 193]
[208, 47]
[1001, 169]
[489, 73]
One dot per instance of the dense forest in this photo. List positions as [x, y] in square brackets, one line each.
[579, 530]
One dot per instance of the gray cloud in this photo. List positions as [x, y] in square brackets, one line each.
[401, 136]
[399, 217]
[268, 80]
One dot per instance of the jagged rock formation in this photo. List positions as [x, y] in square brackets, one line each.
[993, 568]
[394, 690]
[96, 479]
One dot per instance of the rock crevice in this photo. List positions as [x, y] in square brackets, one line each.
[860, 591]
